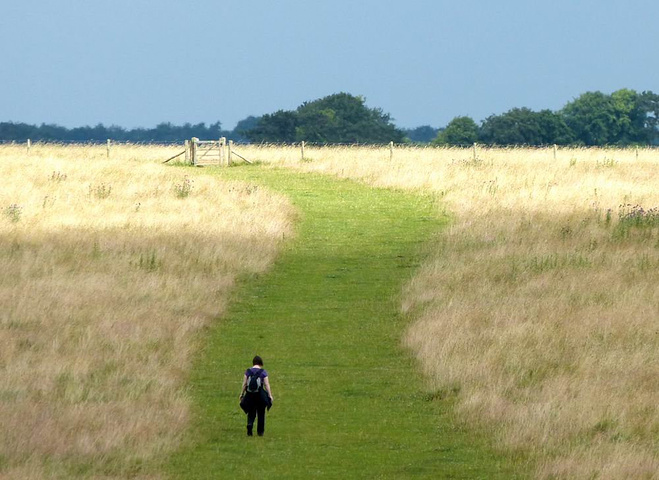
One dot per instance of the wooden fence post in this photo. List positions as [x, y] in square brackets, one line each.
[29, 145]
[555, 151]
[187, 151]
[391, 151]
[108, 148]
[229, 153]
[302, 146]
[223, 158]
[193, 150]
[474, 151]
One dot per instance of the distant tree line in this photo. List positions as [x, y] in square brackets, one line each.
[162, 133]
[338, 118]
[624, 117]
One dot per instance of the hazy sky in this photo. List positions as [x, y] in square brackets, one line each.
[140, 62]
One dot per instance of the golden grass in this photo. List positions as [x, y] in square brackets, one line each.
[539, 308]
[110, 269]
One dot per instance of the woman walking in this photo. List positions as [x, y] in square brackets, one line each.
[256, 396]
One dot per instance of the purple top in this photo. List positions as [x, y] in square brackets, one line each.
[249, 371]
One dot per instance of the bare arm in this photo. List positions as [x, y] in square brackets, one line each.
[242, 391]
[267, 388]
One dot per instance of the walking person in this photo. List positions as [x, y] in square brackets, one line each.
[256, 396]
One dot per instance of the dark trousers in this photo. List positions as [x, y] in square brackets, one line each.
[257, 409]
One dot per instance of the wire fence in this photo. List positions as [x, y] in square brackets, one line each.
[109, 143]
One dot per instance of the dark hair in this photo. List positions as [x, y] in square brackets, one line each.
[257, 361]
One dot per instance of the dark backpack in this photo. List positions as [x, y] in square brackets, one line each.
[254, 381]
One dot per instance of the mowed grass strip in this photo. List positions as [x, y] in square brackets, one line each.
[326, 319]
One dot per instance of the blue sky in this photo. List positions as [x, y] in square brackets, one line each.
[140, 62]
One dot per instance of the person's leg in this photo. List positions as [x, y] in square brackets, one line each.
[251, 416]
[260, 426]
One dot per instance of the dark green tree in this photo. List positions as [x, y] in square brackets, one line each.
[649, 106]
[274, 128]
[338, 118]
[461, 131]
[590, 117]
[518, 126]
[17, 132]
[50, 132]
[239, 133]
[423, 134]
[630, 117]
[553, 129]
[523, 126]
[600, 119]
[345, 118]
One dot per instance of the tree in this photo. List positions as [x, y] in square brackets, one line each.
[345, 118]
[600, 119]
[423, 134]
[649, 106]
[553, 129]
[338, 118]
[461, 131]
[523, 126]
[518, 126]
[17, 132]
[239, 132]
[51, 132]
[275, 127]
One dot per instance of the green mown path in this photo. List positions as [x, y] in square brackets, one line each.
[349, 401]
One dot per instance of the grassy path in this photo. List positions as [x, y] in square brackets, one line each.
[325, 319]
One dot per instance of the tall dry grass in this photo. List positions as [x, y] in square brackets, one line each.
[111, 269]
[539, 308]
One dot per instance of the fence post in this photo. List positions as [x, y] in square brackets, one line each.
[108, 148]
[193, 150]
[474, 151]
[391, 150]
[229, 153]
[187, 151]
[29, 145]
[302, 145]
[223, 142]
[555, 151]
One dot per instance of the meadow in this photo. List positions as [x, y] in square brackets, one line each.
[350, 401]
[538, 309]
[533, 315]
[111, 271]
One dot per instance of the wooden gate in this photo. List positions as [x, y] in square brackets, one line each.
[208, 152]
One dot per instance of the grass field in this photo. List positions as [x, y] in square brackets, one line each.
[539, 307]
[533, 318]
[110, 269]
[349, 402]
